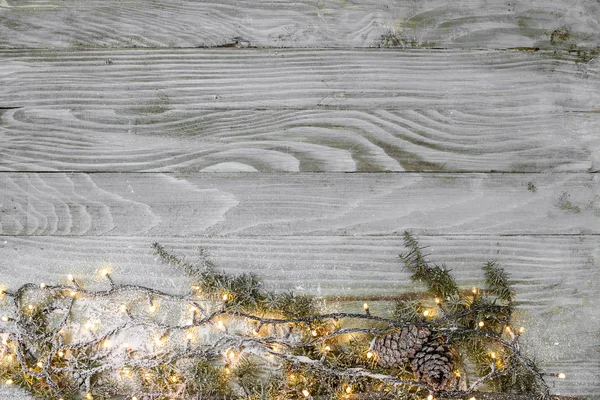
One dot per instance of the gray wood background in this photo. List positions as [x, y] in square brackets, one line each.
[233, 125]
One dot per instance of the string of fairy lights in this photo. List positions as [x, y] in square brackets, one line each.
[209, 329]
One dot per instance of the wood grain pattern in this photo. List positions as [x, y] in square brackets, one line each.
[557, 278]
[322, 23]
[298, 204]
[315, 140]
[310, 110]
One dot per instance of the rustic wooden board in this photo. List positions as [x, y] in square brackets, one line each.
[298, 204]
[557, 278]
[312, 140]
[143, 82]
[298, 110]
[323, 23]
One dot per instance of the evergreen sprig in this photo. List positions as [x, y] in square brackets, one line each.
[251, 343]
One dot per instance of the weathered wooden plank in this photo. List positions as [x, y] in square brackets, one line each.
[316, 140]
[292, 204]
[323, 23]
[312, 110]
[147, 82]
[557, 278]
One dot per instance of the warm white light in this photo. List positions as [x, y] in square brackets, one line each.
[348, 389]
[40, 364]
[437, 301]
[125, 345]
[327, 348]
[70, 278]
[225, 297]
[151, 308]
[430, 397]
[472, 398]
[481, 324]
[123, 308]
[521, 330]
[474, 290]
[493, 355]
[562, 375]
[426, 313]
[189, 336]
[369, 355]
[231, 355]
[306, 393]
[313, 332]
[42, 285]
[61, 353]
[9, 358]
[9, 382]
[88, 396]
[73, 293]
[508, 330]
[4, 318]
[227, 370]
[89, 325]
[30, 307]
[106, 343]
[104, 272]
[366, 306]
[220, 324]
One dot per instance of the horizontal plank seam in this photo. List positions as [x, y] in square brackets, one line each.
[400, 236]
[262, 173]
[260, 48]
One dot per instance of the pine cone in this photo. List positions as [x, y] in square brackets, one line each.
[433, 364]
[397, 348]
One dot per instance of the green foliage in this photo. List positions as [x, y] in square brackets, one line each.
[437, 278]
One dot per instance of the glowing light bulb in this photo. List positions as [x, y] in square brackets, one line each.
[366, 306]
[437, 300]
[292, 377]
[9, 382]
[106, 343]
[88, 396]
[430, 397]
[4, 318]
[426, 313]
[152, 308]
[508, 330]
[134, 398]
[70, 278]
[227, 370]
[314, 332]
[42, 285]
[521, 330]
[225, 297]
[493, 355]
[89, 325]
[123, 308]
[73, 293]
[472, 398]
[9, 357]
[370, 354]
[104, 272]
[348, 389]
[481, 324]
[327, 348]
[220, 324]
[125, 345]
[30, 307]
[474, 290]
[61, 353]
[40, 364]
[306, 393]
[189, 336]
[562, 375]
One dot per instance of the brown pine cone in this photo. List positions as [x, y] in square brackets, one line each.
[434, 365]
[397, 348]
